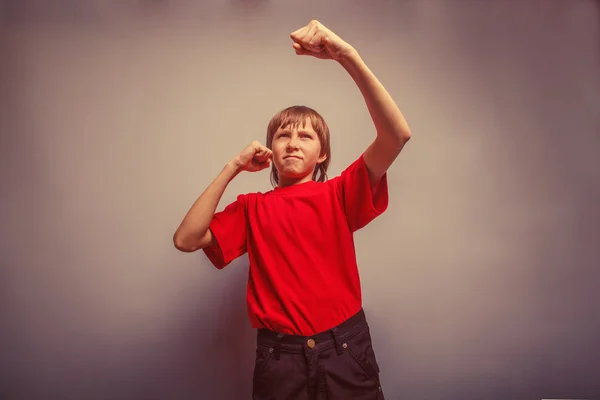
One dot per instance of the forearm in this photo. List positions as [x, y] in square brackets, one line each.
[194, 227]
[389, 122]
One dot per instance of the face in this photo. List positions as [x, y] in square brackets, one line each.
[296, 153]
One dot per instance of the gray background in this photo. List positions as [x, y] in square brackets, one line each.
[480, 281]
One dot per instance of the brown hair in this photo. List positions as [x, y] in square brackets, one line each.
[292, 117]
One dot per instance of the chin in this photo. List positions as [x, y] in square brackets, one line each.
[292, 174]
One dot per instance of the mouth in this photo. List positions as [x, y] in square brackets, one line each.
[296, 157]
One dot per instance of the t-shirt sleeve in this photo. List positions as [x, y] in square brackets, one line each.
[362, 203]
[229, 229]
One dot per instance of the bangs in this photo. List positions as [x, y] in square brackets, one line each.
[292, 118]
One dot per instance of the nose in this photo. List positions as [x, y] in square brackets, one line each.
[293, 143]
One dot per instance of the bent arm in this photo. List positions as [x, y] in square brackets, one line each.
[193, 232]
[392, 129]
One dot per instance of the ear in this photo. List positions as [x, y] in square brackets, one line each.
[322, 158]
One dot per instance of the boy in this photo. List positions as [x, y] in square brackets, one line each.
[303, 295]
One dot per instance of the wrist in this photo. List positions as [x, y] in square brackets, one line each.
[234, 166]
[349, 57]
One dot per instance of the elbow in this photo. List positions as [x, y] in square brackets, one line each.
[180, 244]
[401, 138]
[188, 243]
[404, 136]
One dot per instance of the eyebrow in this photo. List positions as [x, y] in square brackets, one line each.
[290, 131]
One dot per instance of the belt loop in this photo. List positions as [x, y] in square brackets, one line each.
[338, 340]
[277, 345]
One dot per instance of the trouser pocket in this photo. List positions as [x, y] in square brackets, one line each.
[264, 355]
[361, 350]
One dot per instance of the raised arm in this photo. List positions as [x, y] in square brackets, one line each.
[392, 129]
[193, 232]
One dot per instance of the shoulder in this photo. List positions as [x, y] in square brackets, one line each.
[350, 171]
[357, 165]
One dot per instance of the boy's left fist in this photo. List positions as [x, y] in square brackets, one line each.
[316, 40]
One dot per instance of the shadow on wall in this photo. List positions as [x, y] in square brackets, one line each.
[215, 349]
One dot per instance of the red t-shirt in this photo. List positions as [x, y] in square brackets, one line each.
[303, 276]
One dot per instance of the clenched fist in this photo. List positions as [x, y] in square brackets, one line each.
[255, 157]
[318, 41]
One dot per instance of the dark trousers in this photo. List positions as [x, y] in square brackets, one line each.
[336, 364]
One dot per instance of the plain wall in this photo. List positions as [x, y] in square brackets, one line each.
[480, 281]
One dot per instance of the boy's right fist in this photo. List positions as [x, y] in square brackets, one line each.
[255, 157]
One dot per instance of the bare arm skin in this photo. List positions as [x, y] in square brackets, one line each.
[193, 232]
[393, 132]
